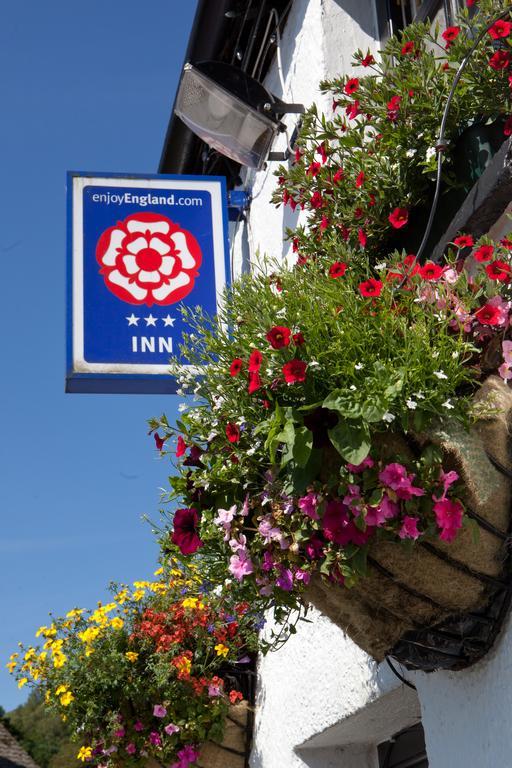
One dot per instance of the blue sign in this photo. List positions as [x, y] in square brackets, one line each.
[139, 247]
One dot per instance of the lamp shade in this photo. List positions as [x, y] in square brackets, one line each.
[220, 104]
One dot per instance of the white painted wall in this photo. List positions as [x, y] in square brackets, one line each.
[322, 702]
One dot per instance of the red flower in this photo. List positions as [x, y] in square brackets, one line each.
[181, 447]
[500, 28]
[371, 201]
[313, 169]
[317, 200]
[236, 366]
[298, 155]
[278, 336]
[298, 339]
[506, 243]
[255, 360]
[431, 271]
[324, 224]
[484, 253]
[500, 60]
[368, 60]
[338, 176]
[351, 86]
[232, 432]
[371, 287]
[464, 241]
[294, 371]
[498, 270]
[399, 218]
[337, 269]
[361, 236]
[254, 382]
[450, 34]
[353, 110]
[235, 696]
[159, 441]
[185, 534]
[360, 180]
[488, 315]
[507, 128]
[393, 107]
[408, 47]
[321, 150]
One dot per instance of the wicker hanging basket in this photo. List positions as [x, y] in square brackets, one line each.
[441, 605]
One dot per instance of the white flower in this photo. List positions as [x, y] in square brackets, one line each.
[353, 388]
[411, 404]
[419, 395]
[430, 153]
[447, 404]
[381, 266]
[250, 451]
[358, 366]
[455, 354]
[313, 364]
[388, 417]
[281, 312]
[410, 153]
[182, 407]
[440, 374]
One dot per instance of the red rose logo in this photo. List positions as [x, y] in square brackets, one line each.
[147, 259]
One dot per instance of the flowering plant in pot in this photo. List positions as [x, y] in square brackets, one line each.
[149, 677]
[364, 173]
[334, 427]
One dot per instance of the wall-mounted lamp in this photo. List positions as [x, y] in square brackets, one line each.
[230, 111]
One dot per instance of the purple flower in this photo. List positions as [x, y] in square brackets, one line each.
[308, 505]
[159, 710]
[303, 576]
[214, 690]
[285, 579]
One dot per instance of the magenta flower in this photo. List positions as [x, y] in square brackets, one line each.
[447, 479]
[449, 518]
[186, 530]
[131, 748]
[409, 529]
[285, 579]
[395, 476]
[138, 726]
[119, 734]
[187, 756]
[159, 710]
[378, 515]
[308, 505]
[303, 576]
[357, 468]
[155, 739]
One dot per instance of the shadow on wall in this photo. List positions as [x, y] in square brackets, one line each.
[290, 221]
[362, 12]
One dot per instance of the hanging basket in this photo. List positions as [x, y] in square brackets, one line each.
[440, 605]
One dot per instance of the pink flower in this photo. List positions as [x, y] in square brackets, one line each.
[357, 468]
[155, 739]
[181, 447]
[138, 726]
[447, 479]
[303, 576]
[449, 518]
[240, 564]
[159, 710]
[131, 748]
[338, 527]
[395, 476]
[171, 728]
[308, 505]
[409, 529]
[119, 734]
[224, 519]
[187, 756]
[378, 515]
[214, 690]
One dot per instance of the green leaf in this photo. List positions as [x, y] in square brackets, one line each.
[303, 446]
[340, 402]
[373, 411]
[351, 440]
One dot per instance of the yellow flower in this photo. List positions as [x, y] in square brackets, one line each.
[190, 602]
[42, 656]
[75, 613]
[11, 666]
[61, 689]
[13, 656]
[158, 571]
[66, 699]
[131, 656]
[138, 594]
[59, 659]
[222, 650]
[89, 650]
[85, 753]
[47, 697]
[141, 584]
[117, 623]
[30, 654]
[89, 635]
[23, 681]
[122, 596]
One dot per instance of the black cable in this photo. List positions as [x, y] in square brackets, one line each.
[397, 674]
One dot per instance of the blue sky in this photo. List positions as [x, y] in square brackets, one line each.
[84, 86]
